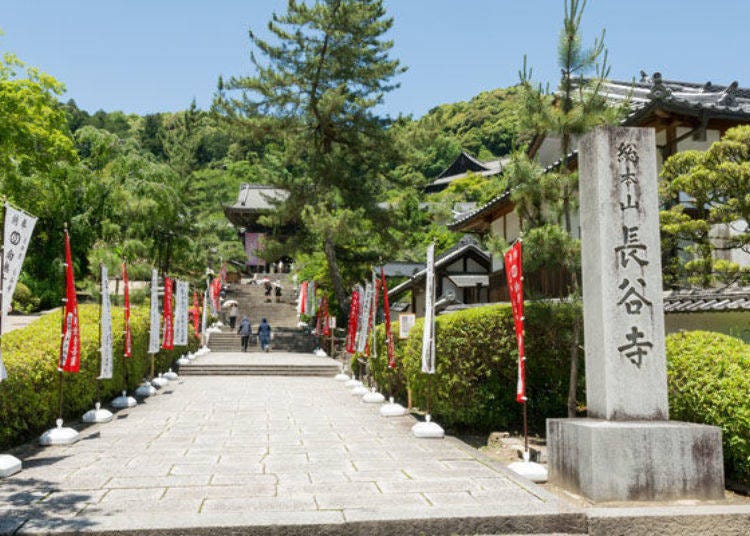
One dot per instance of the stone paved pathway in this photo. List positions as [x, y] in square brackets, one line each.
[284, 455]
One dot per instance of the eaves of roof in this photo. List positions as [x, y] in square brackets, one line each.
[470, 217]
[707, 301]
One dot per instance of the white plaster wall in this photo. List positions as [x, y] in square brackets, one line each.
[736, 324]
[496, 229]
[513, 227]
[689, 143]
[661, 141]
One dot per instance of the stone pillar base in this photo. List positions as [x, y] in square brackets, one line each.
[636, 460]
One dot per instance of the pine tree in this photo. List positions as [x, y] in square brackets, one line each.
[578, 105]
[319, 82]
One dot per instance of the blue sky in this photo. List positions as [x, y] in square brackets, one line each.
[148, 56]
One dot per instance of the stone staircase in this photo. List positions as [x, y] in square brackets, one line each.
[291, 347]
[252, 302]
[284, 339]
[256, 364]
[282, 316]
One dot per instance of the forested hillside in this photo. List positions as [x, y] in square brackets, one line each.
[151, 188]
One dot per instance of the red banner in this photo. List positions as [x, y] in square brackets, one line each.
[303, 298]
[168, 337]
[70, 347]
[326, 318]
[388, 334]
[196, 316]
[128, 342]
[216, 294]
[514, 275]
[351, 335]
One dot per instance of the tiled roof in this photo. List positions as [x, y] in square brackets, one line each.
[723, 101]
[258, 197]
[707, 300]
[462, 166]
[480, 211]
[402, 269]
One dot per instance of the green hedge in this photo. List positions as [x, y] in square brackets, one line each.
[475, 382]
[709, 382]
[28, 397]
[709, 375]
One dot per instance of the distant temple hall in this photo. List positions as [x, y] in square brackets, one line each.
[253, 201]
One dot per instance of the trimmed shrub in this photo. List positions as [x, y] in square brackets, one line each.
[709, 382]
[475, 382]
[28, 397]
[24, 300]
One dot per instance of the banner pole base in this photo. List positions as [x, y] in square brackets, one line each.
[392, 409]
[97, 415]
[124, 401]
[9, 465]
[428, 429]
[59, 435]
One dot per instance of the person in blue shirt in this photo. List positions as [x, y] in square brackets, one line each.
[245, 330]
[264, 334]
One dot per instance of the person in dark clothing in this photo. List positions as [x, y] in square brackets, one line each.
[264, 334]
[245, 330]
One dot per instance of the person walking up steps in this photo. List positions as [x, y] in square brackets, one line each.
[232, 315]
[245, 330]
[264, 334]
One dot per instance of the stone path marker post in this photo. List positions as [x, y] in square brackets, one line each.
[627, 449]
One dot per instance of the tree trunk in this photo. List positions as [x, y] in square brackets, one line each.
[333, 270]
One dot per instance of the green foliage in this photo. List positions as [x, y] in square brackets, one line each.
[24, 300]
[28, 397]
[549, 246]
[709, 379]
[715, 183]
[475, 382]
[488, 126]
[33, 127]
[318, 82]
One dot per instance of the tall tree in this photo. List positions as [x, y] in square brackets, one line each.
[577, 105]
[320, 80]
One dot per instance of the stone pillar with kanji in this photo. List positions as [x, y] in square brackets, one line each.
[627, 449]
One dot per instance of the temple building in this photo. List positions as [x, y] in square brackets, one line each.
[253, 201]
[462, 166]
[461, 278]
[684, 115]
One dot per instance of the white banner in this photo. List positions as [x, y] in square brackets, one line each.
[428, 335]
[204, 318]
[312, 305]
[105, 325]
[364, 319]
[16, 236]
[181, 314]
[153, 336]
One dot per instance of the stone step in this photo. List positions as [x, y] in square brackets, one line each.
[248, 370]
